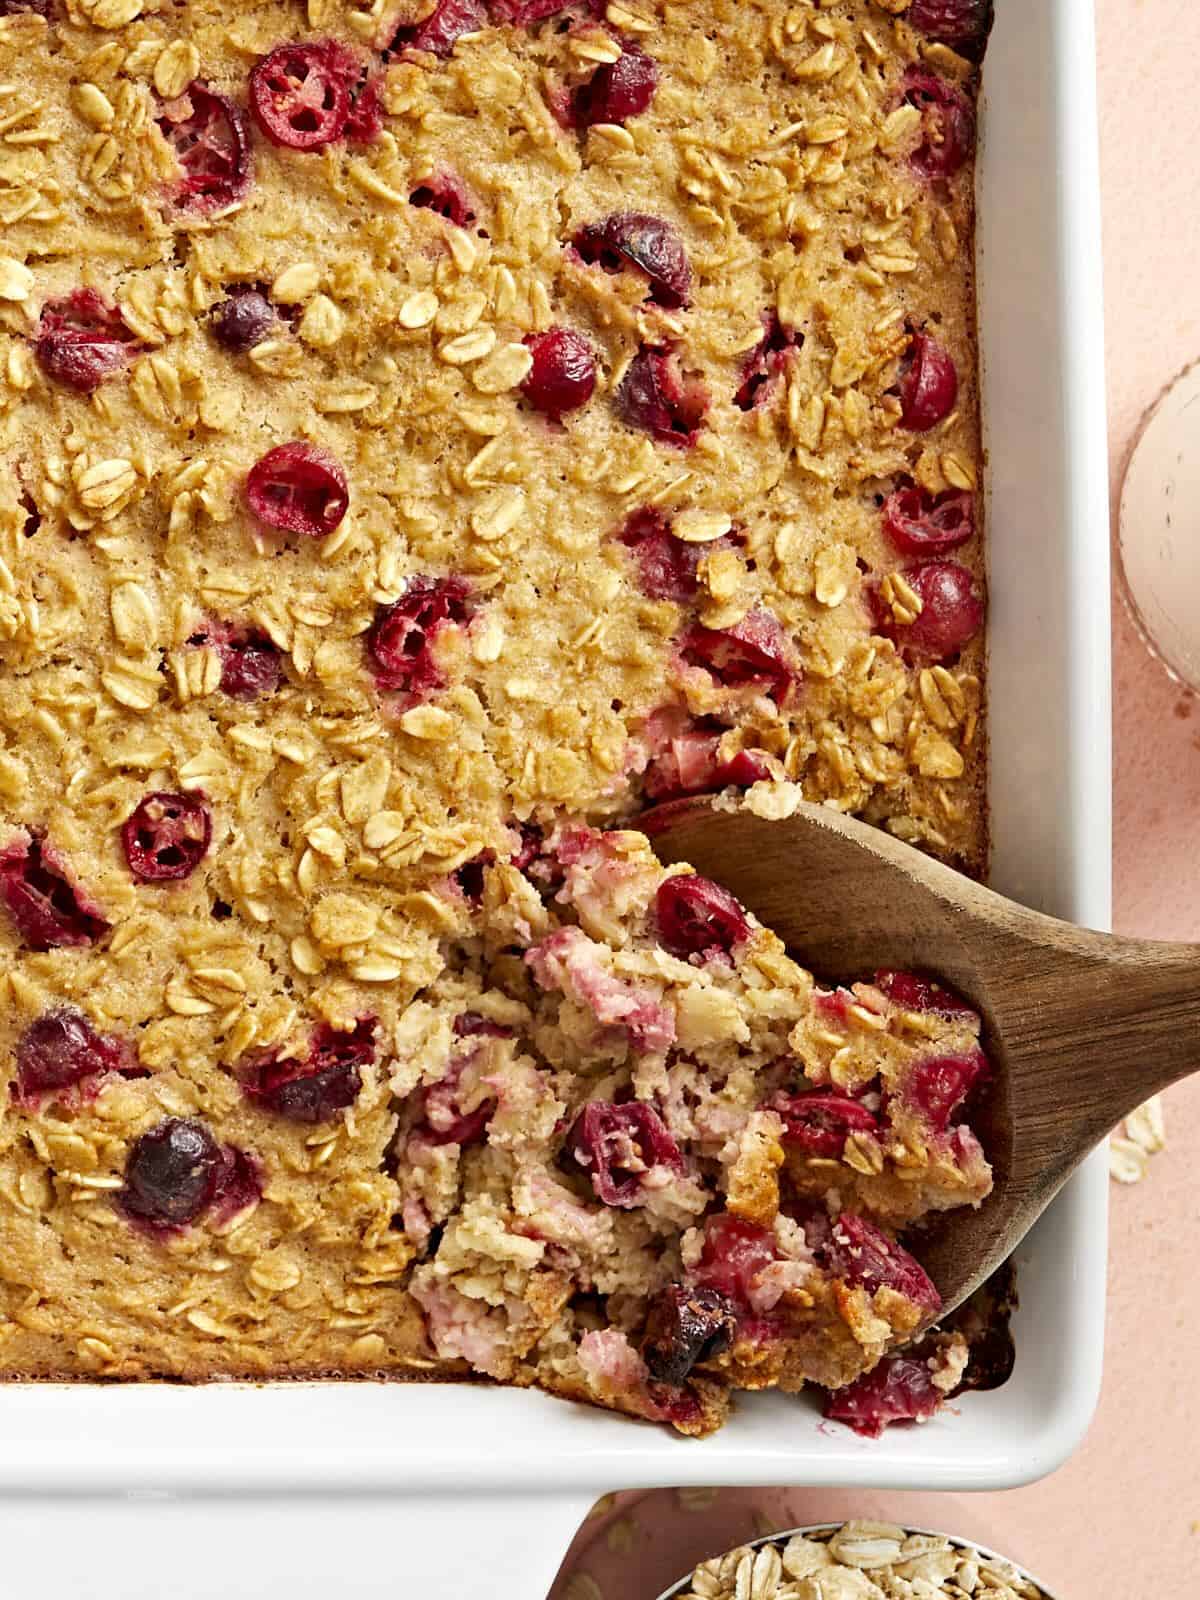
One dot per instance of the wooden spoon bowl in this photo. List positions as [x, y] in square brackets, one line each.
[1081, 1027]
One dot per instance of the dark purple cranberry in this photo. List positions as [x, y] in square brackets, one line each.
[49, 908]
[317, 1088]
[250, 665]
[692, 764]
[298, 488]
[167, 836]
[964, 25]
[696, 917]
[919, 524]
[300, 93]
[947, 124]
[208, 135]
[860, 1253]
[61, 1049]
[734, 1253]
[82, 339]
[661, 398]
[818, 1123]
[471, 877]
[753, 653]
[243, 320]
[622, 1149]
[951, 613]
[769, 358]
[899, 1389]
[172, 1173]
[400, 640]
[928, 383]
[445, 193]
[471, 1025]
[563, 375]
[616, 91]
[915, 993]
[443, 28]
[686, 1326]
[938, 1085]
[633, 239]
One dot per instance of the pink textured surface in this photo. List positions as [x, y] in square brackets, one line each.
[1122, 1518]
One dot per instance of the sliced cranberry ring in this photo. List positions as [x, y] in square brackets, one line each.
[207, 132]
[444, 193]
[754, 653]
[298, 488]
[167, 836]
[300, 93]
[400, 640]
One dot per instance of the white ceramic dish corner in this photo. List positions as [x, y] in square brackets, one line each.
[463, 1466]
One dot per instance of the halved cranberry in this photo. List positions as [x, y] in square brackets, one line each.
[686, 1326]
[441, 30]
[938, 1085]
[951, 613]
[207, 132]
[660, 397]
[696, 917]
[298, 488]
[250, 666]
[920, 524]
[60, 1049]
[324, 1083]
[692, 764]
[734, 1253]
[616, 91]
[625, 1150]
[243, 320]
[82, 339]
[860, 1253]
[753, 653]
[445, 193]
[300, 93]
[172, 1172]
[818, 1123]
[947, 123]
[899, 1389]
[167, 836]
[766, 361]
[928, 383]
[400, 640]
[964, 25]
[50, 909]
[563, 375]
[648, 245]
[915, 993]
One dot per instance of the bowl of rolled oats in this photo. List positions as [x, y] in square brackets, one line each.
[858, 1560]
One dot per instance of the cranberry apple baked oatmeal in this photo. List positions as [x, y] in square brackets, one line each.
[431, 433]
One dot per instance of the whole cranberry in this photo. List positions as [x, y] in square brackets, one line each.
[563, 375]
[920, 524]
[663, 399]
[964, 25]
[696, 917]
[625, 1151]
[325, 1082]
[686, 1326]
[50, 910]
[298, 488]
[60, 1049]
[441, 30]
[947, 124]
[616, 91]
[819, 1122]
[172, 1172]
[243, 320]
[951, 613]
[167, 836]
[82, 339]
[208, 135]
[647, 245]
[899, 1389]
[928, 384]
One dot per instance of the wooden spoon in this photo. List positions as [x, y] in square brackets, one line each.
[1081, 1027]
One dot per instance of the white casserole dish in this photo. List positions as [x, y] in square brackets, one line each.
[496, 1479]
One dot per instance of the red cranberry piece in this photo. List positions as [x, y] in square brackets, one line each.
[616, 91]
[766, 361]
[471, 1025]
[754, 653]
[208, 135]
[167, 836]
[951, 613]
[62, 1048]
[937, 1086]
[523, 13]
[238, 1184]
[686, 1326]
[300, 93]
[928, 383]
[915, 993]
[947, 123]
[439, 32]
[668, 569]
[563, 375]
[648, 245]
[692, 764]
[899, 1389]
[243, 320]
[400, 641]
[532, 841]
[445, 1121]
[172, 1173]
[658, 396]
[315, 1089]
[623, 1149]
[859, 1252]
[818, 1123]
[298, 488]
[365, 122]
[250, 667]
[696, 917]
[82, 339]
[445, 193]
[732, 1256]
[964, 25]
[919, 524]
[16, 8]
[49, 908]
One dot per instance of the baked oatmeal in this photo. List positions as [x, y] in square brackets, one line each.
[433, 433]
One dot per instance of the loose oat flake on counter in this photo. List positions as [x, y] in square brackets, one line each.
[430, 434]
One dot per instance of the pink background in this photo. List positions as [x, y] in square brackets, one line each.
[1122, 1518]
